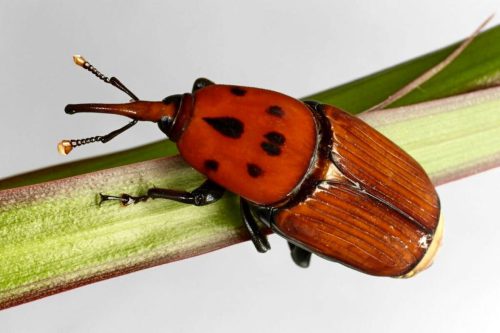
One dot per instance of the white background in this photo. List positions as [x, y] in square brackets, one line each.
[158, 49]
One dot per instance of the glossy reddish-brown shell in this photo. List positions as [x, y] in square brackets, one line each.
[374, 210]
[254, 142]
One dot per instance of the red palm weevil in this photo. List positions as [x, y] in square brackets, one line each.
[324, 180]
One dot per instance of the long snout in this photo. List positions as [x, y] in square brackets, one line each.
[138, 110]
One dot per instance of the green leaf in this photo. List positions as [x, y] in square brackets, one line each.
[55, 236]
[478, 67]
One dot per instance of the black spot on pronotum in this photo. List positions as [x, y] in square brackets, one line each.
[276, 138]
[238, 91]
[270, 148]
[276, 111]
[254, 170]
[211, 165]
[227, 126]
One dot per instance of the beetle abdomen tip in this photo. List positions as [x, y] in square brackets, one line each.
[429, 256]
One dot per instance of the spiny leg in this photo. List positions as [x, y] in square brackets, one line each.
[207, 193]
[258, 238]
[430, 73]
[300, 256]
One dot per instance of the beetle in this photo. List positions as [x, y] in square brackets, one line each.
[324, 180]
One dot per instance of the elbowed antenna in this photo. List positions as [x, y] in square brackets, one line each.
[66, 146]
[80, 61]
[136, 109]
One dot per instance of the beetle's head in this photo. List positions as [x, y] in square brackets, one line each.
[162, 112]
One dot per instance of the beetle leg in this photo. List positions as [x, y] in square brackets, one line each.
[201, 83]
[258, 238]
[300, 256]
[209, 192]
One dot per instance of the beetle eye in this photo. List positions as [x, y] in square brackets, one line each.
[165, 124]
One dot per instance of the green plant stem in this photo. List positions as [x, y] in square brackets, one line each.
[55, 236]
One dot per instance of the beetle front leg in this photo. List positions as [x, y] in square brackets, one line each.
[209, 192]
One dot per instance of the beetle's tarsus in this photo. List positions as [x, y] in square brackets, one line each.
[125, 199]
[105, 197]
[128, 200]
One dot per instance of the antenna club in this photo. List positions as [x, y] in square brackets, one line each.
[64, 147]
[79, 60]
